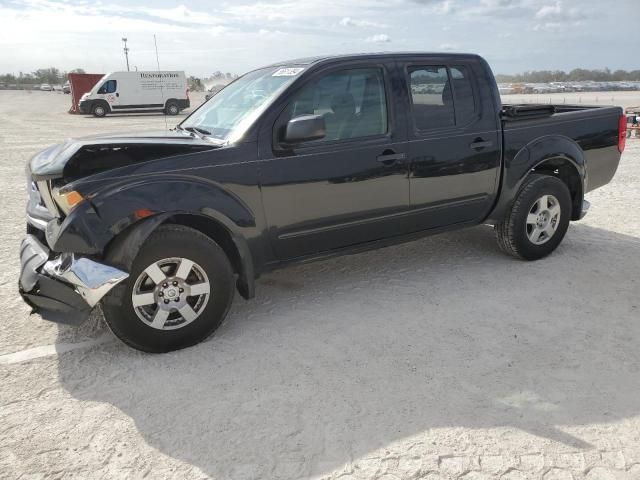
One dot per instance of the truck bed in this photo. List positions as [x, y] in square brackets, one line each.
[593, 128]
[531, 110]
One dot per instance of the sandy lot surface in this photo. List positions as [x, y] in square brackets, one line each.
[437, 359]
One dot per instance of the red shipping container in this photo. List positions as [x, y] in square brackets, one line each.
[80, 84]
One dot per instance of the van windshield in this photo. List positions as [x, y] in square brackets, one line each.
[228, 114]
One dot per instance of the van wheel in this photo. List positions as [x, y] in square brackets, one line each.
[99, 110]
[179, 290]
[172, 108]
[538, 219]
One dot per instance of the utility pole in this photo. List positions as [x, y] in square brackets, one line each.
[126, 52]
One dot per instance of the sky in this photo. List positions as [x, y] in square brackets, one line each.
[202, 37]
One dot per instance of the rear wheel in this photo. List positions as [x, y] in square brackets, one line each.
[538, 219]
[179, 291]
[172, 108]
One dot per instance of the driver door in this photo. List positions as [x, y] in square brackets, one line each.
[109, 92]
[349, 187]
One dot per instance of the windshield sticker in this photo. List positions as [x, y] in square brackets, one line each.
[287, 72]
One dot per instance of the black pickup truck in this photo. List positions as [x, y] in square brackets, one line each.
[297, 161]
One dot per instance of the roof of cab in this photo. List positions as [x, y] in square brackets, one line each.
[364, 56]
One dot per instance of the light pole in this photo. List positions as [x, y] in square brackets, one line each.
[126, 52]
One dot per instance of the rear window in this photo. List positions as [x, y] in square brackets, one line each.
[441, 97]
[431, 97]
[463, 90]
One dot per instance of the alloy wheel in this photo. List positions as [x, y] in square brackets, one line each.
[171, 293]
[543, 219]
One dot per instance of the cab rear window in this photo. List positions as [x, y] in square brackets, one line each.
[441, 96]
[431, 97]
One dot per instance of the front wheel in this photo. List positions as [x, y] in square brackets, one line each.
[538, 219]
[100, 110]
[179, 291]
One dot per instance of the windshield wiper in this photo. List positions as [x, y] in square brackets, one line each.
[203, 131]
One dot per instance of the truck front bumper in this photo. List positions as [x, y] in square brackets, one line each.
[63, 287]
[85, 106]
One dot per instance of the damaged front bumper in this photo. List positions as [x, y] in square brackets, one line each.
[63, 287]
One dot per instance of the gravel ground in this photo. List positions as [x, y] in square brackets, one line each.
[437, 359]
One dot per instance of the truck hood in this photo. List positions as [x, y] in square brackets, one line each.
[76, 158]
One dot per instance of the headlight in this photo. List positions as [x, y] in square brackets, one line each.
[67, 201]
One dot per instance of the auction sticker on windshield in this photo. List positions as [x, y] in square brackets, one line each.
[287, 72]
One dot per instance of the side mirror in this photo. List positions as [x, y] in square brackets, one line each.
[305, 128]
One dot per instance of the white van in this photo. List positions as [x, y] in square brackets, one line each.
[136, 92]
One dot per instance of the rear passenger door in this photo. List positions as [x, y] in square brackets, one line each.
[454, 148]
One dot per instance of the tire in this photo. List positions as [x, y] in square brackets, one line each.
[100, 110]
[171, 108]
[536, 236]
[169, 243]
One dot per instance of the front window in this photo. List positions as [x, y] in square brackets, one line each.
[352, 103]
[231, 111]
[110, 86]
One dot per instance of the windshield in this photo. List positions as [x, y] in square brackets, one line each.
[232, 110]
[99, 84]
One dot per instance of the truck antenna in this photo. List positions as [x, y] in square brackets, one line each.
[155, 42]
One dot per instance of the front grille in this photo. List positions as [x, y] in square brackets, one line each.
[45, 193]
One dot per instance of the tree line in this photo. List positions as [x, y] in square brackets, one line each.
[576, 75]
[49, 75]
[56, 76]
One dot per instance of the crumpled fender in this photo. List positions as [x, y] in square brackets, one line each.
[115, 222]
[95, 223]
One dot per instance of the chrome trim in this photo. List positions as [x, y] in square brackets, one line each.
[36, 222]
[92, 280]
[34, 194]
[45, 194]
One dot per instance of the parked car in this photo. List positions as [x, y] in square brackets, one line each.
[212, 91]
[45, 87]
[335, 155]
[66, 88]
[127, 92]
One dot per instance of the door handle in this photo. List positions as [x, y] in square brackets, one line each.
[480, 143]
[389, 157]
[117, 94]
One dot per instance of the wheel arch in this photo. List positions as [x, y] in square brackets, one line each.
[102, 102]
[124, 247]
[234, 246]
[170, 101]
[554, 155]
[566, 170]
